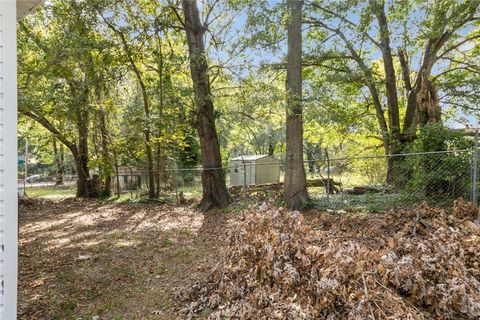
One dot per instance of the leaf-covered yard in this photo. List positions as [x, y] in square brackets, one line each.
[93, 259]
[84, 259]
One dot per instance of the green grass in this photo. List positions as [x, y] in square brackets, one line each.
[119, 235]
[377, 202]
[51, 192]
[167, 242]
[190, 192]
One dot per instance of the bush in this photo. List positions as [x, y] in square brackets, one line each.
[444, 175]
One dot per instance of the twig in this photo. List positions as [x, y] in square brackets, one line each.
[417, 218]
[426, 224]
[365, 286]
[347, 238]
[400, 297]
[367, 297]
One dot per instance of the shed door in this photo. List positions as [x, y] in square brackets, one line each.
[245, 173]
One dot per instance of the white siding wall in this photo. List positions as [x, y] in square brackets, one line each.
[8, 160]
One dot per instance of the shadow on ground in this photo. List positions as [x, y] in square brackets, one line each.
[84, 258]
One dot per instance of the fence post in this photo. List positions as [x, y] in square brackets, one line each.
[117, 179]
[131, 182]
[174, 179]
[26, 168]
[475, 168]
[328, 177]
[244, 174]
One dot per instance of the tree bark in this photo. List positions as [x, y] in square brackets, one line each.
[403, 58]
[215, 192]
[394, 144]
[159, 174]
[428, 104]
[160, 155]
[295, 180]
[84, 187]
[390, 77]
[107, 172]
[271, 149]
[117, 177]
[106, 167]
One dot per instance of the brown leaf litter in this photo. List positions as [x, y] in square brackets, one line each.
[421, 263]
[91, 259]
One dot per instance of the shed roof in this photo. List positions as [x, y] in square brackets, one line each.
[251, 157]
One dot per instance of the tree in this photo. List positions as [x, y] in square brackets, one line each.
[215, 192]
[295, 181]
[442, 31]
[130, 57]
[70, 88]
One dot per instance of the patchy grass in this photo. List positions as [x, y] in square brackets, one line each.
[53, 192]
[85, 258]
[372, 203]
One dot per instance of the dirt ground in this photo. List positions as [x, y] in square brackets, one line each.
[88, 259]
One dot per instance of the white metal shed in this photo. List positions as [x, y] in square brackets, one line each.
[10, 11]
[254, 169]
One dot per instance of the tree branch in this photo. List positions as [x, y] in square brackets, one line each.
[370, 81]
[50, 127]
[455, 46]
[343, 19]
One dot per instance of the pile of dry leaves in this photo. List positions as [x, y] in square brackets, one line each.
[412, 264]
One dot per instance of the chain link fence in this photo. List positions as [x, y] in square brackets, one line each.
[370, 183]
[378, 183]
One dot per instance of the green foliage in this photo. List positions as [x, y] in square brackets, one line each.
[437, 137]
[72, 58]
[442, 176]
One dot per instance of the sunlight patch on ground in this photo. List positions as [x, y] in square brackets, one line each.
[125, 243]
[175, 218]
[38, 226]
[93, 257]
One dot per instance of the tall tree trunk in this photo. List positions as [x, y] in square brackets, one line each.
[81, 160]
[117, 176]
[159, 169]
[428, 105]
[59, 162]
[160, 156]
[62, 161]
[115, 161]
[390, 77]
[394, 143]
[295, 181]
[146, 106]
[107, 165]
[151, 172]
[215, 192]
[271, 149]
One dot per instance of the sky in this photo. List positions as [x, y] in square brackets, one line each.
[459, 119]
[256, 56]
